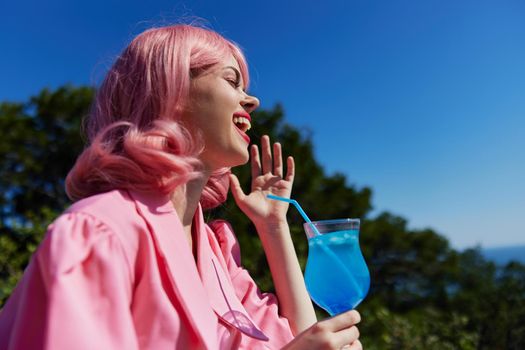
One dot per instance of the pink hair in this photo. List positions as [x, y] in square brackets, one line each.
[136, 140]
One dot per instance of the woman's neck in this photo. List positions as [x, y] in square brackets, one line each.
[186, 199]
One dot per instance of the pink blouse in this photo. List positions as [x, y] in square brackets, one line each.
[115, 271]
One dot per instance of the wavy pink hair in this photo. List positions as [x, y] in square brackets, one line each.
[136, 139]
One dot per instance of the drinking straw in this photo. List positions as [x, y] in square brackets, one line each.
[298, 206]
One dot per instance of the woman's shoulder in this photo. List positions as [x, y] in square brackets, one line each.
[95, 222]
[71, 239]
[91, 218]
[116, 209]
[107, 204]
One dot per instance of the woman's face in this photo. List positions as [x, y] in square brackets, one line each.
[219, 109]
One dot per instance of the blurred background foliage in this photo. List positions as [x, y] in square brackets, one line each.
[424, 293]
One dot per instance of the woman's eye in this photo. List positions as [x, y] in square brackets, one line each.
[233, 82]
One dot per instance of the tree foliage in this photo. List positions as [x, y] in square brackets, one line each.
[424, 294]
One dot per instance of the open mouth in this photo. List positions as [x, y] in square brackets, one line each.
[242, 123]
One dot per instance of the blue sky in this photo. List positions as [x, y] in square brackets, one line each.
[424, 101]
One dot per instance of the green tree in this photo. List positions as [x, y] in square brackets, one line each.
[40, 143]
[424, 294]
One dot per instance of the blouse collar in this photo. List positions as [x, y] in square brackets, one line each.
[195, 283]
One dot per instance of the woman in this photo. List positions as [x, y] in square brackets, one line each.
[132, 264]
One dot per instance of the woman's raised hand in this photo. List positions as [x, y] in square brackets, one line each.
[267, 178]
[269, 216]
[339, 332]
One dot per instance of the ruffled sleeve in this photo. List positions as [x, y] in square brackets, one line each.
[262, 307]
[75, 293]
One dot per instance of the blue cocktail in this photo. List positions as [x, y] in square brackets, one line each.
[336, 275]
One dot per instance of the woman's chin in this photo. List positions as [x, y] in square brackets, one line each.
[231, 161]
[243, 159]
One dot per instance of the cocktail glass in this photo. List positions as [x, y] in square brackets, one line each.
[336, 275]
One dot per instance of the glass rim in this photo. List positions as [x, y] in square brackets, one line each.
[333, 221]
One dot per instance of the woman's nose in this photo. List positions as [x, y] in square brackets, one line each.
[250, 103]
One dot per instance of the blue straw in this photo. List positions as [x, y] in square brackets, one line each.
[301, 211]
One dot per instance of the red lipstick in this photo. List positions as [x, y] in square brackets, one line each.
[243, 114]
[243, 134]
